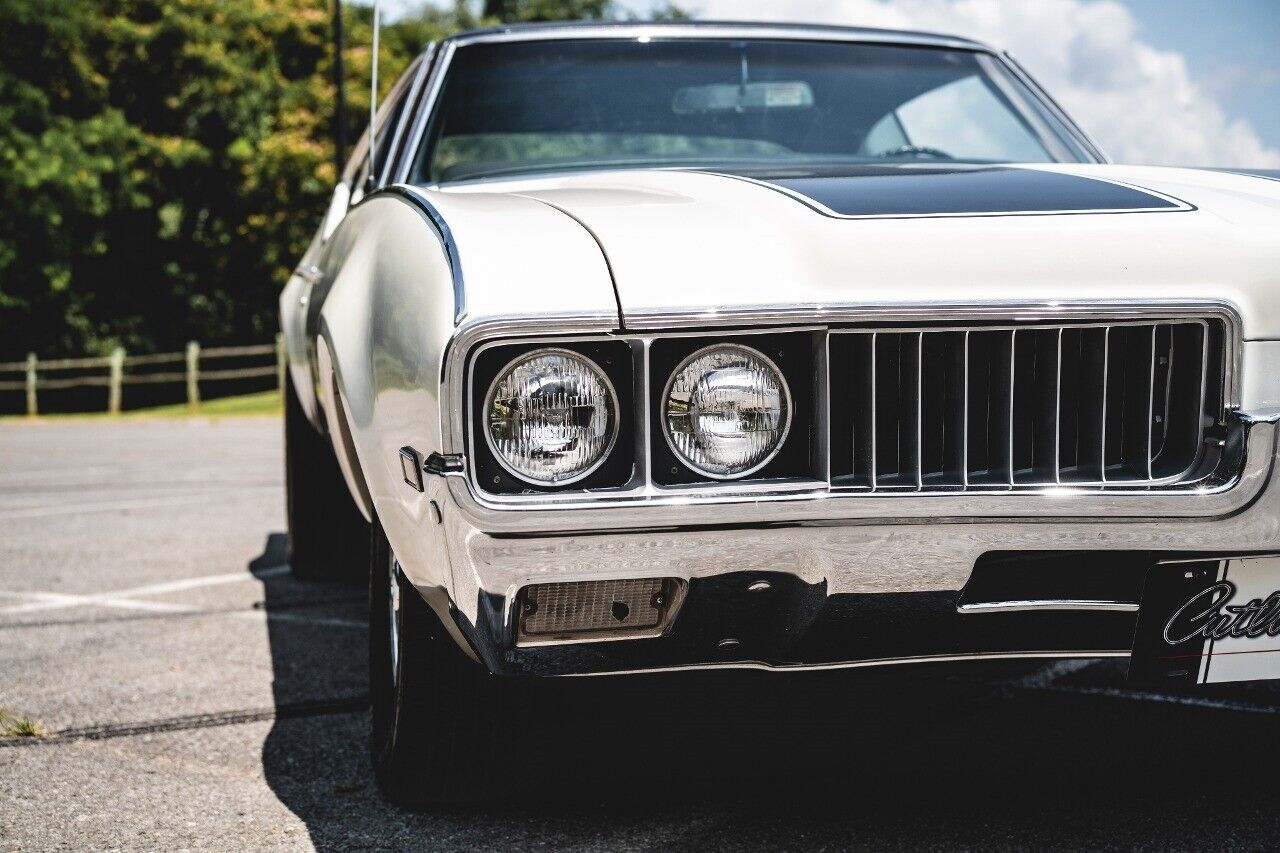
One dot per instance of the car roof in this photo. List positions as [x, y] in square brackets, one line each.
[708, 29]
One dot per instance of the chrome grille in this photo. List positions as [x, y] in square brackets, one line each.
[958, 409]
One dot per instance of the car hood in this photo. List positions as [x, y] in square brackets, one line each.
[682, 242]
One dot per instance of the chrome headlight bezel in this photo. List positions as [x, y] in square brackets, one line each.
[487, 400]
[789, 412]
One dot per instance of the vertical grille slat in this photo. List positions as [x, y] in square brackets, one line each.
[1181, 406]
[897, 404]
[989, 368]
[1035, 401]
[1151, 400]
[1057, 412]
[1129, 404]
[942, 409]
[1081, 405]
[1113, 405]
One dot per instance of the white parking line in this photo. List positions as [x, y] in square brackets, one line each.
[124, 598]
[64, 508]
[206, 580]
[102, 506]
[59, 601]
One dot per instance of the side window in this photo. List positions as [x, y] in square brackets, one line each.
[389, 113]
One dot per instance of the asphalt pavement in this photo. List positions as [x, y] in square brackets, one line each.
[193, 695]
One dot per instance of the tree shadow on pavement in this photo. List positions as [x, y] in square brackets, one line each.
[1056, 757]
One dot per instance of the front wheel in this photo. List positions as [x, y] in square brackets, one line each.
[328, 537]
[441, 723]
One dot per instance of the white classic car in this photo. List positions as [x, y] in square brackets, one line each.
[647, 347]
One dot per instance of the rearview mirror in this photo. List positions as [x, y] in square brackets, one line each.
[731, 97]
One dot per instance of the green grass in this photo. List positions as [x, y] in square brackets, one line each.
[260, 404]
[11, 726]
[263, 404]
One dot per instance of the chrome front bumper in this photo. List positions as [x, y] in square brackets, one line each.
[907, 556]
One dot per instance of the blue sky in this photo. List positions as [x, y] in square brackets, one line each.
[1232, 49]
[1176, 82]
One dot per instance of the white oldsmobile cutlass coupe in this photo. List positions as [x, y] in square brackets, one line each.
[666, 346]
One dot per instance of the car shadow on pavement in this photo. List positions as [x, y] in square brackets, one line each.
[1047, 756]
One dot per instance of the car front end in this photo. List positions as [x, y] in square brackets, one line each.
[684, 346]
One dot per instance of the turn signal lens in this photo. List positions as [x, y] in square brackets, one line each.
[727, 410]
[551, 417]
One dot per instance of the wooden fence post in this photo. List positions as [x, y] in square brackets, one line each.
[115, 381]
[280, 363]
[193, 375]
[32, 411]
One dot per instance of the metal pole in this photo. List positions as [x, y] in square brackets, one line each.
[340, 85]
[373, 99]
[193, 375]
[280, 363]
[32, 411]
[116, 381]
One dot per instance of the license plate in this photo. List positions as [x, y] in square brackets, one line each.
[1209, 622]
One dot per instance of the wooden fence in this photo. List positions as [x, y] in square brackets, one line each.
[117, 367]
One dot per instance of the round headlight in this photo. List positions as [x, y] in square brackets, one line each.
[551, 417]
[727, 410]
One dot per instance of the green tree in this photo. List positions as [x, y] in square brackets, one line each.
[165, 162]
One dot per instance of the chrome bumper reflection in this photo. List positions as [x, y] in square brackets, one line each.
[929, 545]
[773, 505]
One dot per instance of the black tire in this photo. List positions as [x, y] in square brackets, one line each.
[328, 537]
[442, 726]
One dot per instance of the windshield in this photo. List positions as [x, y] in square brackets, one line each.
[539, 106]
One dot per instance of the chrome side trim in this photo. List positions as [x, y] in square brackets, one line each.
[632, 30]
[411, 101]
[1047, 604]
[418, 199]
[860, 664]
[1059, 113]
[425, 109]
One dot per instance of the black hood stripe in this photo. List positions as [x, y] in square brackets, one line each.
[879, 192]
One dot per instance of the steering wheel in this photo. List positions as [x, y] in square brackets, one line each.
[915, 151]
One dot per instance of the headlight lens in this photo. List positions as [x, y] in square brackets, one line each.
[726, 410]
[551, 417]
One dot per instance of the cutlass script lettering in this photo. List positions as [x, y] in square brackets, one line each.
[1208, 615]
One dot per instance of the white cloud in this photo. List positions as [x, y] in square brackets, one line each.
[1138, 102]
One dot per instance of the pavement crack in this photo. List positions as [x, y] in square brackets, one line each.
[186, 722]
